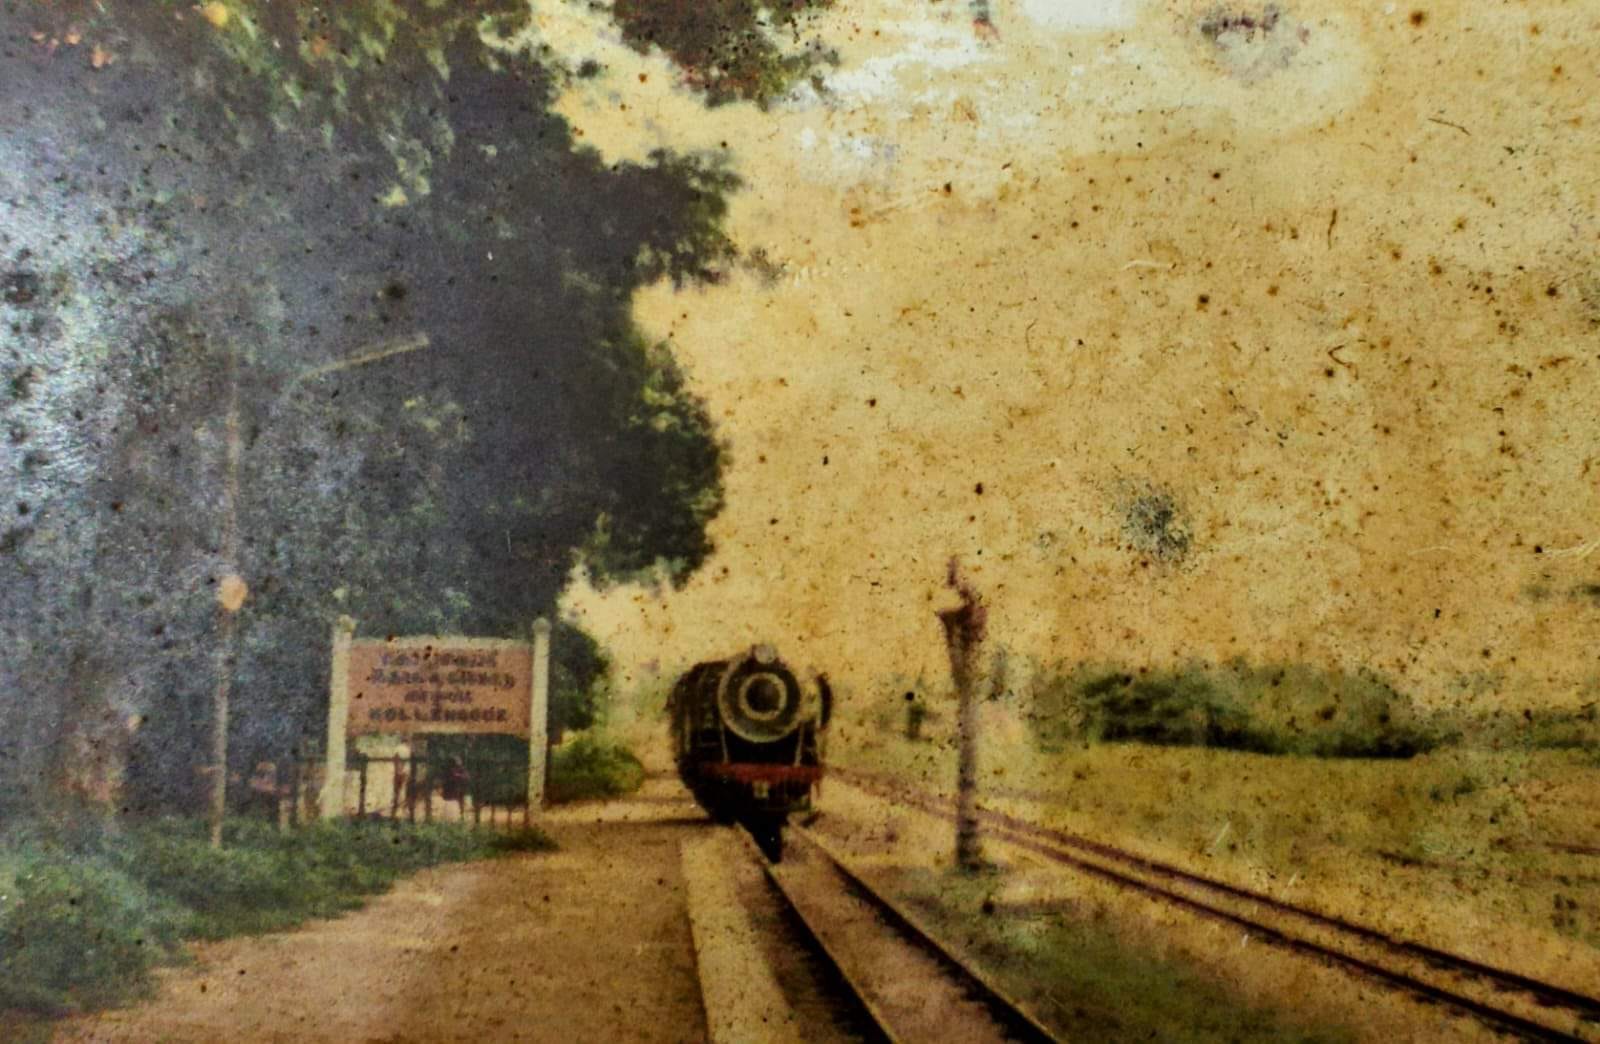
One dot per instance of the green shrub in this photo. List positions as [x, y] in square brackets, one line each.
[76, 933]
[588, 767]
[1273, 709]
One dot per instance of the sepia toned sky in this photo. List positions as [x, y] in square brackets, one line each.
[1315, 279]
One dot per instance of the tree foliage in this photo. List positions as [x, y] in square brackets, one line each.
[366, 221]
[732, 50]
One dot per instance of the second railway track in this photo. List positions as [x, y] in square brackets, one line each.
[1521, 1005]
[913, 987]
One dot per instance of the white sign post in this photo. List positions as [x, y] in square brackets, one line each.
[332, 798]
[538, 716]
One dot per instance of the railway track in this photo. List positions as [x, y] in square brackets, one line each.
[1520, 1005]
[912, 986]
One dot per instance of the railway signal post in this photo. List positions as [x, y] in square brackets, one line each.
[963, 634]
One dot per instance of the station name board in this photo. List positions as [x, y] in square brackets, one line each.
[472, 685]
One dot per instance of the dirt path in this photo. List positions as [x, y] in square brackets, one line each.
[589, 943]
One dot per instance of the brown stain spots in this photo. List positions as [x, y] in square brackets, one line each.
[1202, 302]
[1272, 291]
[1418, 18]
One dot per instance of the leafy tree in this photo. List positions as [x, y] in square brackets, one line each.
[732, 50]
[364, 223]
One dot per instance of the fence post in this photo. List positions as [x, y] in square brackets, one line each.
[538, 717]
[411, 787]
[361, 800]
[338, 714]
[296, 776]
[281, 794]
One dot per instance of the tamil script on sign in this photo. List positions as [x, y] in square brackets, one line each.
[473, 687]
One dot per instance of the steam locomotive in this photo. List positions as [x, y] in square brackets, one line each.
[748, 740]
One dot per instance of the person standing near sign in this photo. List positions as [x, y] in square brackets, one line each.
[456, 783]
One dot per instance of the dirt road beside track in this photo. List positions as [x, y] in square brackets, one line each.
[590, 942]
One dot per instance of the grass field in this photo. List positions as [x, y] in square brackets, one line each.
[1453, 847]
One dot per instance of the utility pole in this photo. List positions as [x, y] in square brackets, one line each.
[232, 589]
[963, 634]
[231, 593]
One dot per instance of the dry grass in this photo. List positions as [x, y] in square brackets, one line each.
[1449, 848]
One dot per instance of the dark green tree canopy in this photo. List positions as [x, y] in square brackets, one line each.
[733, 50]
[365, 221]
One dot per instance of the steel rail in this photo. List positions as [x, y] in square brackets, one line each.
[1018, 1022]
[1050, 843]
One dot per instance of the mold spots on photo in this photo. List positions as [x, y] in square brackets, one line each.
[20, 287]
[1155, 524]
[1251, 43]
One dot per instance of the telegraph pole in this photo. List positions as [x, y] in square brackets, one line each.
[231, 593]
[232, 589]
[963, 634]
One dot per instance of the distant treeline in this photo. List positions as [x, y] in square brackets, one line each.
[1277, 709]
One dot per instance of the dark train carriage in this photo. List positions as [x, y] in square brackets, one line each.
[748, 736]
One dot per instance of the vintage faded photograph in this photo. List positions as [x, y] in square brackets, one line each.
[799, 520]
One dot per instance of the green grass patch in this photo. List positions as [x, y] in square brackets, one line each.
[85, 919]
[1087, 982]
[78, 933]
[588, 767]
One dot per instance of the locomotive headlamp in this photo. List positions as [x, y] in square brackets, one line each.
[763, 696]
[760, 702]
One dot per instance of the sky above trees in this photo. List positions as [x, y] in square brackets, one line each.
[1320, 282]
